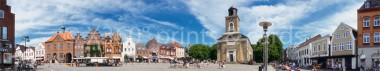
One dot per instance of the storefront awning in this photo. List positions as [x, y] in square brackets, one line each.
[145, 57]
[39, 58]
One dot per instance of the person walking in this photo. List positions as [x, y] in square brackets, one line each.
[340, 66]
[314, 69]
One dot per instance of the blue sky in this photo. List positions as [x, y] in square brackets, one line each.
[184, 21]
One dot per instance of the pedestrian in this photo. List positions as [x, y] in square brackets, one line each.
[314, 69]
[223, 64]
[340, 66]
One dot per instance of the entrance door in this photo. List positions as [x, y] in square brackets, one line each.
[68, 58]
[54, 58]
[231, 56]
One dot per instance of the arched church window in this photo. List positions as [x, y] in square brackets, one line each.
[231, 27]
[229, 37]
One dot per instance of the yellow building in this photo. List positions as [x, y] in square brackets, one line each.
[234, 47]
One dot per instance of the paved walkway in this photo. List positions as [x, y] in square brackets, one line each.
[152, 67]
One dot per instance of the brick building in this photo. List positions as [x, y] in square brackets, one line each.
[368, 41]
[79, 43]
[93, 43]
[113, 46]
[60, 47]
[166, 53]
[141, 52]
[7, 31]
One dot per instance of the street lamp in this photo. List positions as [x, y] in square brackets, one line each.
[265, 26]
[25, 39]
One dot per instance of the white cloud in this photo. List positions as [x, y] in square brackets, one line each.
[163, 22]
[347, 15]
[211, 14]
[42, 15]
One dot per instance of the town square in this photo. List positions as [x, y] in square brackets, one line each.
[190, 35]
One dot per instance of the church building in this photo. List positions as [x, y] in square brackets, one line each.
[234, 47]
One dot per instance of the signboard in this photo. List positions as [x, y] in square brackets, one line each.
[7, 58]
[5, 50]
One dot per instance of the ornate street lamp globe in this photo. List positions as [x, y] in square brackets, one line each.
[265, 25]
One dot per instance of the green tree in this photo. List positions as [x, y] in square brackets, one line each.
[213, 52]
[199, 51]
[274, 49]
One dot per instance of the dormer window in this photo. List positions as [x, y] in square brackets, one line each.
[1, 14]
[367, 5]
[231, 27]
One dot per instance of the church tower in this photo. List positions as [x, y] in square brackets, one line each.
[232, 20]
[234, 47]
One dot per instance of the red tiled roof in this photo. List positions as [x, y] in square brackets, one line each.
[176, 44]
[65, 36]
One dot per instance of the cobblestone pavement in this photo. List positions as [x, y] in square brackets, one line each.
[151, 67]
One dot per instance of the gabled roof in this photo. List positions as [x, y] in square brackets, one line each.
[65, 36]
[310, 40]
[93, 38]
[176, 44]
[31, 47]
[116, 37]
[354, 31]
[372, 4]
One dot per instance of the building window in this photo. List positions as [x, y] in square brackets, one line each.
[345, 34]
[319, 47]
[1, 14]
[61, 46]
[334, 47]
[324, 46]
[68, 45]
[55, 46]
[366, 22]
[48, 47]
[5, 33]
[60, 55]
[367, 5]
[366, 38]
[231, 27]
[125, 49]
[48, 56]
[377, 37]
[349, 45]
[377, 21]
[108, 50]
[337, 36]
[341, 46]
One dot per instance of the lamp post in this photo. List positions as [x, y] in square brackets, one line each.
[25, 39]
[265, 26]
